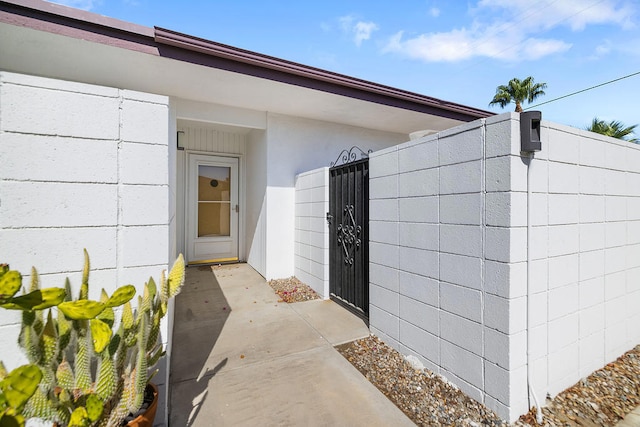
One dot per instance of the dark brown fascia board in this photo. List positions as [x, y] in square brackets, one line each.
[79, 15]
[305, 74]
[67, 21]
[59, 19]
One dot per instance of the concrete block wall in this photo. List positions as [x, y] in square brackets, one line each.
[312, 235]
[83, 166]
[448, 256]
[586, 243]
[432, 246]
[505, 269]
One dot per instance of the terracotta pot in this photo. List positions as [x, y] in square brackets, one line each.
[146, 419]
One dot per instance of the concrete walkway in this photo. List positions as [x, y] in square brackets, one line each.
[241, 358]
[631, 420]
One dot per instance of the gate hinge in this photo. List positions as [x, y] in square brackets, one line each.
[329, 218]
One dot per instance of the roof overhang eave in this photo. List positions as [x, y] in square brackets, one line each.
[50, 17]
[314, 78]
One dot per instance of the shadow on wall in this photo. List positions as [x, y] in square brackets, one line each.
[200, 314]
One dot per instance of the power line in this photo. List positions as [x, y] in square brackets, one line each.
[585, 90]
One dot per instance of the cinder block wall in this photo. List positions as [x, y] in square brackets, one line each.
[82, 166]
[312, 234]
[586, 250]
[432, 244]
[448, 256]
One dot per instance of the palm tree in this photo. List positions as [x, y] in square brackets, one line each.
[518, 91]
[614, 129]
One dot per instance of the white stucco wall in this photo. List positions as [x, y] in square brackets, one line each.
[83, 166]
[448, 256]
[273, 149]
[312, 233]
[256, 226]
[296, 145]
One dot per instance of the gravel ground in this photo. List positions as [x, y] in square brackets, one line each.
[423, 396]
[292, 290]
[601, 399]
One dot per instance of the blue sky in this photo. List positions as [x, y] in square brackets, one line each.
[454, 50]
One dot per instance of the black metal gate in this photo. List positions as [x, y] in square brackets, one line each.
[348, 219]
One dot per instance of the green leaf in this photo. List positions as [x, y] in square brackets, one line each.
[115, 342]
[49, 338]
[127, 316]
[50, 297]
[10, 283]
[64, 332]
[153, 289]
[104, 297]
[81, 309]
[11, 420]
[107, 316]
[3, 402]
[4, 268]
[163, 309]
[67, 287]
[79, 418]
[94, 407]
[84, 286]
[35, 280]
[100, 334]
[20, 384]
[121, 296]
[64, 375]
[176, 276]
[37, 300]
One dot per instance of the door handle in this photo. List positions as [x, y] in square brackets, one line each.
[237, 208]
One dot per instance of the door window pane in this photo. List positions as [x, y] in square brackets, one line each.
[214, 219]
[214, 183]
[214, 201]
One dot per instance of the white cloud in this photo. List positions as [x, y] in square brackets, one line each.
[534, 49]
[432, 47]
[602, 50]
[346, 22]
[576, 14]
[79, 4]
[461, 44]
[512, 30]
[630, 47]
[360, 30]
[434, 12]
[363, 31]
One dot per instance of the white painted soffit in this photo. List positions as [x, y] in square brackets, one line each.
[30, 51]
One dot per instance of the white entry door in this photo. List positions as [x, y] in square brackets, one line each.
[212, 209]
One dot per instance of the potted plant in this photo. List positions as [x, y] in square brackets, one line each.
[93, 357]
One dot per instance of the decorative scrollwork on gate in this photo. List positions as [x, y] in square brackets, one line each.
[350, 156]
[349, 234]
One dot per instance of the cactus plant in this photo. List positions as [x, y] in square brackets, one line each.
[87, 368]
[16, 388]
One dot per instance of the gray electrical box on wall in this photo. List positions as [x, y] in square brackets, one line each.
[530, 131]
